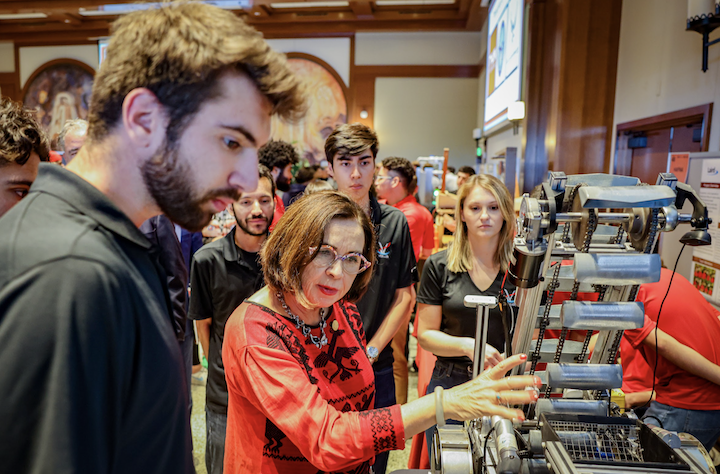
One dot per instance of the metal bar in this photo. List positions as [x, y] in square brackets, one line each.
[528, 303]
[602, 217]
[481, 332]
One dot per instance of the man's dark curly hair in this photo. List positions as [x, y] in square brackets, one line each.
[20, 134]
[277, 154]
[404, 169]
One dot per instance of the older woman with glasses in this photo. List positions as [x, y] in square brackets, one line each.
[300, 383]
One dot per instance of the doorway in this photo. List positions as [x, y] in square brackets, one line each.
[643, 146]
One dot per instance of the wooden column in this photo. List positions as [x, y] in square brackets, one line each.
[570, 87]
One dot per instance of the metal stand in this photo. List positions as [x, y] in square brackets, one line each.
[482, 304]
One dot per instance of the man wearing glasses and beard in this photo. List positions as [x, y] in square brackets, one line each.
[224, 273]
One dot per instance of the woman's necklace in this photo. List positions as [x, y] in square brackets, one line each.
[300, 324]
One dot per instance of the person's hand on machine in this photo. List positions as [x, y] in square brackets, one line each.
[491, 393]
[492, 356]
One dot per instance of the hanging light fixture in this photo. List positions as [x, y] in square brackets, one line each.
[704, 17]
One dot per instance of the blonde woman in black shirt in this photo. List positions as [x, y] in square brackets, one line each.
[475, 264]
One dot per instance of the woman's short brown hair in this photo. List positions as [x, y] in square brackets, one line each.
[179, 52]
[286, 252]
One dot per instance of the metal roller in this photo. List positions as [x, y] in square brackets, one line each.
[571, 349]
[619, 197]
[553, 316]
[506, 446]
[585, 376]
[617, 269]
[577, 407]
[602, 316]
[566, 280]
[534, 466]
[451, 451]
[600, 179]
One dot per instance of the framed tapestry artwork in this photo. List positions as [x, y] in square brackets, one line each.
[59, 90]
[327, 96]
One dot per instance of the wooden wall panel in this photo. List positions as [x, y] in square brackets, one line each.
[572, 66]
[9, 85]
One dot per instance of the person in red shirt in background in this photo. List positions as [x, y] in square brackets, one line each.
[395, 183]
[685, 361]
[684, 402]
[279, 157]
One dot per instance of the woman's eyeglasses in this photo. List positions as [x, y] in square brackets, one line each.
[352, 263]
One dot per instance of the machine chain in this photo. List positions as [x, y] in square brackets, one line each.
[618, 237]
[592, 225]
[601, 289]
[553, 285]
[653, 231]
[615, 347]
[567, 203]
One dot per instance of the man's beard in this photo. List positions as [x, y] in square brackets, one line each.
[245, 228]
[282, 183]
[168, 180]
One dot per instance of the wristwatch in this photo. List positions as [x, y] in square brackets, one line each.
[372, 353]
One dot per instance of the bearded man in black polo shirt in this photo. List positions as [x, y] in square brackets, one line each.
[223, 274]
[351, 150]
[92, 376]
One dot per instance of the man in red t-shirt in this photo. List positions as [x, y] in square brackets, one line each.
[395, 183]
[687, 365]
[279, 157]
[685, 402]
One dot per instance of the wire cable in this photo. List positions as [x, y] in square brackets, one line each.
[485, 451]
[657, 326]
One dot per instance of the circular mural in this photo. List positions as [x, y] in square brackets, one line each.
[59, 91]
[327, 109]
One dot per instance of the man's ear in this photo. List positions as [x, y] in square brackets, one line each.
[275, 173]
[144, 119]
[330, 170]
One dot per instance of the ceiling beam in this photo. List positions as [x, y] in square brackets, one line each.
[362, 9]
[59, 27]
[476, 16]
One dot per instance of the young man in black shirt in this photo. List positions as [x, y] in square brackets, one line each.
[223, 274]
[351, 150]
[92, 377]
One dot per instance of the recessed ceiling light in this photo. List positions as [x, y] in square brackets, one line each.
[22, 16]
[124, 8]
[382, 3]
[310, 4]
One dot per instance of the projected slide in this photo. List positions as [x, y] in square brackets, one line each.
[504, 59]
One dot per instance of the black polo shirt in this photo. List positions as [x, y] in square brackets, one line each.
[395, 268]
[91, 377]
[221, 277]
[441, 287]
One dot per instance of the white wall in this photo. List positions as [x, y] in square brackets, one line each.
[421, 116]
[33, 57]
[659, 65]
[659, 71]
[7, 57]
[334, 51]
[441, 48]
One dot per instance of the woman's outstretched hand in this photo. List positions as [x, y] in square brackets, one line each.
[491, 393]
